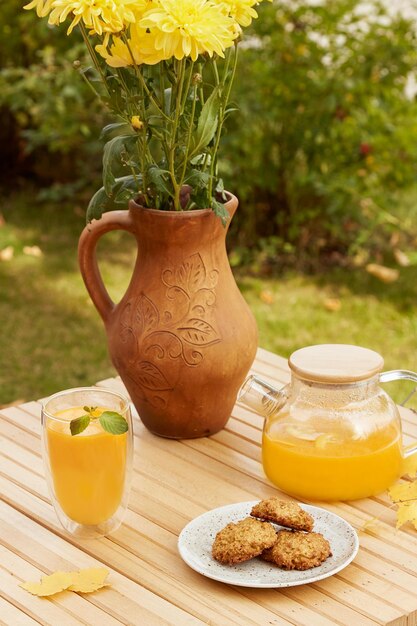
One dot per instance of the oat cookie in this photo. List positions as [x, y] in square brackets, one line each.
[298, 550]
[241, 541]
[283, 512]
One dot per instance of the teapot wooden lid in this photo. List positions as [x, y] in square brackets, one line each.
[335, 363]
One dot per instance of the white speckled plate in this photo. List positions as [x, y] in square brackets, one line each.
[196, 539]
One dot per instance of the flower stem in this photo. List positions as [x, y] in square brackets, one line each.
[94, 57]
[225, 100]
[142, 81]
[187, 87]
[190, 134]
[173, 146]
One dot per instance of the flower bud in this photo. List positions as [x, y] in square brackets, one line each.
[197, 78]
[76, 65]
[136, 122]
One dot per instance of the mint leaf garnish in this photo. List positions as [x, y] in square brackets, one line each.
[113, 423]
[79, 424]
[110, 421]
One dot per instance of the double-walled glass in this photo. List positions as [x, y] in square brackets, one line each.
[88, 473]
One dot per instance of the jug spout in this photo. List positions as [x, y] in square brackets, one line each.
[261, 397]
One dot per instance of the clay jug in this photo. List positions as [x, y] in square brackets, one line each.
[182, 338]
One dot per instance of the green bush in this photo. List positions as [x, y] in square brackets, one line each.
[53, 119]
[322, 145]
[326, 134]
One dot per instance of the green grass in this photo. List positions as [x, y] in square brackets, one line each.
[51, 337]
[381, 317]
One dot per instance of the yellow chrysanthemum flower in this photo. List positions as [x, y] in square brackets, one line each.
[141, 6]
[98, 15]
[42, 7]
[188, 28]
[116, 55]
[240, 10]
[137, 49]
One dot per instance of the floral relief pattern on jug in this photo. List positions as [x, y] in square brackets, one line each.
[183, 331]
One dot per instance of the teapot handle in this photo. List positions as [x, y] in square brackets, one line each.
[262, 397]
[387, 377]
[87, 258]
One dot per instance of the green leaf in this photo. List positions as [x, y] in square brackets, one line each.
[125, 188]
[220, 210]
[99, 204]
[113, 423]
[201, 159]
[90, 74]
[229, 111]
[160, 178]
[126, 191]
[207, 123]
[89, 409]
[167, 100]
[115, 151]
[220, 185]
[220, 191]
[79, 424]
[197, 179]
[117, 128]
[123, 183]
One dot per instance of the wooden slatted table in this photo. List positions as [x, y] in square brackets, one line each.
[173, 482]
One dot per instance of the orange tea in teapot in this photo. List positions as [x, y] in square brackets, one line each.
[332, 433]
[330, 466]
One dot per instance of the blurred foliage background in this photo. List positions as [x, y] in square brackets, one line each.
[51, 119]
[321, 151]
[321, 145]
[326, 136]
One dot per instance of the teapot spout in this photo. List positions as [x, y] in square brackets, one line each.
[261, 397]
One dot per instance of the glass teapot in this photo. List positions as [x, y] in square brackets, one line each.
[332, 433]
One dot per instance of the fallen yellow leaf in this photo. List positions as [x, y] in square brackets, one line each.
[409, 465]
[7, 253]
[85, 581]
[401, 258]
[332, 304]
[88, 580]
[32, 251]
[386, 274]
[405, 496]
[267, 296]
[49, 585]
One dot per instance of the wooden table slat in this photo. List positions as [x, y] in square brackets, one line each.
[10, 614]
[174, 481]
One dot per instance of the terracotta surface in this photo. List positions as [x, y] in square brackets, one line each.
[182, 338]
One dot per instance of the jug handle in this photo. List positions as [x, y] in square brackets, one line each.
[87, 257]
[387, 377]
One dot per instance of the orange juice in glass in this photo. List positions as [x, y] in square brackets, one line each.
[87, 448]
